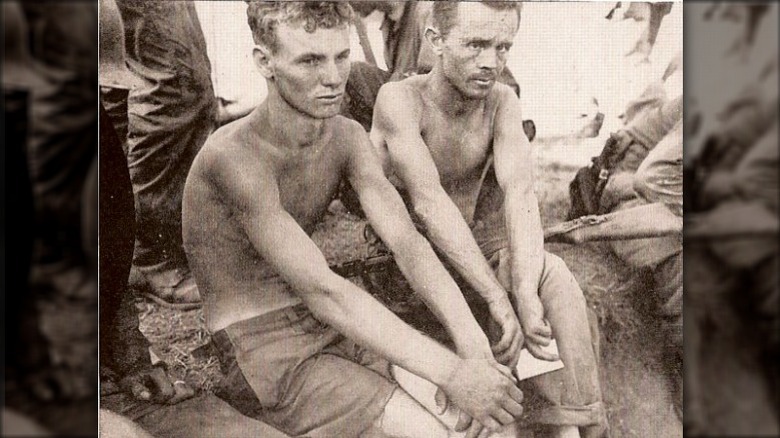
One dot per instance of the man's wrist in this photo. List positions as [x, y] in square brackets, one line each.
[444, 374]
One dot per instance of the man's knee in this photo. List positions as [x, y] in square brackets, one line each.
[559, 284]
[404, 417]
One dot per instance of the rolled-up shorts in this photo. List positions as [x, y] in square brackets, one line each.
[301, 376]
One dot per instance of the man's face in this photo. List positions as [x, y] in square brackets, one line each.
[310, 70]
[475, 50]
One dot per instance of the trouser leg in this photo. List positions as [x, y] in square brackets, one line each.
[574, 392]
[123, 346]
[170, 117]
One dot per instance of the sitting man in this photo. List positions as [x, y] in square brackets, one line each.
[440, 135]
[303, 349]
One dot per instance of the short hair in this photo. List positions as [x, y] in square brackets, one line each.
[265, 16]
[445, 12]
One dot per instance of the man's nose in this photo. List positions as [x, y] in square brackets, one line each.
[488, 59]
[331, 76]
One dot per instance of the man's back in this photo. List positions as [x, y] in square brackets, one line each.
[230, 272]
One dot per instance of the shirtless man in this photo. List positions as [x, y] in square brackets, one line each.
[302, 348]
[438, 135]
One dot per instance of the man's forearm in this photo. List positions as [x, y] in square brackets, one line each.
[360, 317]
[449, 232]
[526, 240]
[427, 276]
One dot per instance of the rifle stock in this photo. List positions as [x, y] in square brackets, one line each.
[652, 220]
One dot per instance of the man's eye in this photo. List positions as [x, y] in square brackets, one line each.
[503, 48]
[311, 61]
[475, 45]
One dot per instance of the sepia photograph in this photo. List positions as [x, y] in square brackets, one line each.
[255, 218]
[401, 219]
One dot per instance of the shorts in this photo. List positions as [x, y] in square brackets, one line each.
[301, 376]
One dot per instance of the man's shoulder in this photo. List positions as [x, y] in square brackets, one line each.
[404, 92]
[229, 150]
[400, 102]
[501, 92]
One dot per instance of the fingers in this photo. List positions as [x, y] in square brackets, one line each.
[485, 433]
[517, 397]
[474, 430]
[492, 424]
[441, 402]
[504, 417]
[511, 355]
[505, 342]
[464, 421]
[505, 370]
[539, 353]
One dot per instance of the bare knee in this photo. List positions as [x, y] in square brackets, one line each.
[404, 417]
[561, 282]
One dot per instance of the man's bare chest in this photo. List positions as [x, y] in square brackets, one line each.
[459, 148]
[307, 187]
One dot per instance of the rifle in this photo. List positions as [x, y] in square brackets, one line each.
[652, 220]
[655, 220]
[358, 268]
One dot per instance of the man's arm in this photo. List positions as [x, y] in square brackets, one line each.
[514, 173]
[254, 196]
[387, 214]
[398, 125]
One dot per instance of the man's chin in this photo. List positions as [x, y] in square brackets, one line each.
[476, 94]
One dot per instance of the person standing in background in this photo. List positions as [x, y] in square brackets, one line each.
[170, 116]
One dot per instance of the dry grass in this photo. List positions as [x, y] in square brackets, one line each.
[635, 389]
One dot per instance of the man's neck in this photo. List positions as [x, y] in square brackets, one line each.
[285, 126]
[448, 98]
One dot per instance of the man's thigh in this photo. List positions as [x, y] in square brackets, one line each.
[301, 377]
[403, 417]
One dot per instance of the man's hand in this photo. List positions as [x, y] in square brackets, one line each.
[486, 391]
[154, 384]
[536, 329]
[504, 332]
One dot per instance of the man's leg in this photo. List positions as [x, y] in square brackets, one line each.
[574, 391]
[169, 120]
[403, 417]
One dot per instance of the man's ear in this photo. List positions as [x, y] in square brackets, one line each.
[262, 57]
[434, 39]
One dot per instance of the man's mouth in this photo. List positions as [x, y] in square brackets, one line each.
[330, 98]
[483, 80]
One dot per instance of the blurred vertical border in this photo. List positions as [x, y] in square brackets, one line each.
[731, 219]
[50, 106]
